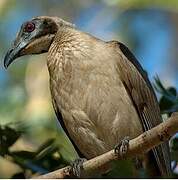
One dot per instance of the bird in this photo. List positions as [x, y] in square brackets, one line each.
[99, 91]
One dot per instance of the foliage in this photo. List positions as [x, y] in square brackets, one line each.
[169, 100]
[23, 88]
[168, 104]
[47, 157]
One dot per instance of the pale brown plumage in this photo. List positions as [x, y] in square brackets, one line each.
[99, 91]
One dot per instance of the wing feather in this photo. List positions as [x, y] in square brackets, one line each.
[60, 119]
[144, 99]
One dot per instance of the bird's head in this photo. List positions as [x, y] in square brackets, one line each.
[35, 37]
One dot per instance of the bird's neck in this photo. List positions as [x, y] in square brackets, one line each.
[68, 47]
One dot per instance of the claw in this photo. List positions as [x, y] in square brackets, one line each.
[122, 147]
[77, 166]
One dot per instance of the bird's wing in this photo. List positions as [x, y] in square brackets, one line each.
[143, 97]
[60, 119]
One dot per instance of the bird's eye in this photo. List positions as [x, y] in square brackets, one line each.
[29, 27]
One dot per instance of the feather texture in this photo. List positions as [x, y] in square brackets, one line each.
[102, 94]
[142, 94]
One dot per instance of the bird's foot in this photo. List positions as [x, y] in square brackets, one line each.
[122, 147]
[77, 166]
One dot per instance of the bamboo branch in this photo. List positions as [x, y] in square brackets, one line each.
[138, 145]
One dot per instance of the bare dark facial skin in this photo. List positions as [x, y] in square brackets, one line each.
[30, 32]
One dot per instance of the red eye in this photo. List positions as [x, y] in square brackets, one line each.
[29, 27]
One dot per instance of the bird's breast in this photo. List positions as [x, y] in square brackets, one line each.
[93, 101]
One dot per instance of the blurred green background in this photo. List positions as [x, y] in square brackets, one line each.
[148, 27]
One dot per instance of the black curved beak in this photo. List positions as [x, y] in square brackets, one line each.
[10, 57]
[13, 53]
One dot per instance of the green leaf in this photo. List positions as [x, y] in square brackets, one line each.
[24, 154]
[8, 136]
[169, 93]
[45, 145]
[169, 101]
[46, 152]
[175, 143]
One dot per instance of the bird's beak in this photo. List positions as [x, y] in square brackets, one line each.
[13, 53]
